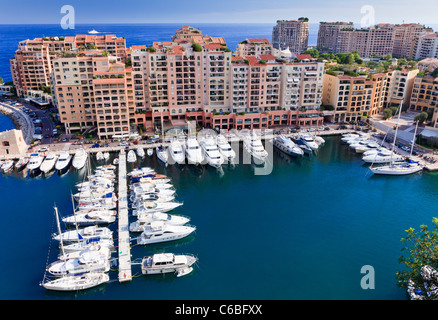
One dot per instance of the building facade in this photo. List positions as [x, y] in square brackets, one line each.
[292, 34]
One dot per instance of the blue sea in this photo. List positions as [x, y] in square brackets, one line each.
[303, 231]
[135, 34]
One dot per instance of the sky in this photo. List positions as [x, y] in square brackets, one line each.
[218, 11]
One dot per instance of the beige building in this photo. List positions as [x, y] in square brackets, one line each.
[12, 143]
[32, 65]
[292, 34]
[329, 36]
[254, 47]
[399, 86]
[425, 46]
[405, 36]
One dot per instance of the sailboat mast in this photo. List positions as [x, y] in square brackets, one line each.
[60, 234]
[396, 130]
[413, 140]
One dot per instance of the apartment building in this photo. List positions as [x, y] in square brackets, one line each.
[292, 34]
[378, 96]
[350, 96]
[32, 64]
[425, 46]
[254, 47]
[399, 86]
[329, 36]
[425, 95]
[405, 36]
[93, 90]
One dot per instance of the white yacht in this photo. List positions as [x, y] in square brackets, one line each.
[377, 150]
[84, 234]
[158, 232]
[151, 207]
[253, 145]
[78, 246]
[308, 141]
[7, 165]
[106, 156]
[35, 162]
[63, 161]
[167, 262]
[193, 151]
[150, 152]
[80, 158]
[22, 163]
[88, 261]
[141, 171]
[162, 154]
[225, 148]
[144, 190]
[286, 145]
[211, 152]
[75, 283]
[382, 158]
[319, 140]
[176, 151]
[94, 217]
[145, 219]
[131, 156]
[140, 152]
[49, 162]
[349, 136]
[99, 156]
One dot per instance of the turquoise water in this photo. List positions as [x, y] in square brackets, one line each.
[302, 232]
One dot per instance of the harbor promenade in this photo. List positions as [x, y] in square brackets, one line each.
[124, 248]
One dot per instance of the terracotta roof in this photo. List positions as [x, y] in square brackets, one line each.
[267, 57]
[304, 56]
[237, 59]
[212, 46]
[257, 40]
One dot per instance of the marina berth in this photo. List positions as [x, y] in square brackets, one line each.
[286, 145]
[193, 151]
[158, 232]
[49, 162]
[63, 161]
[167, 263]
[176, 151]
[79, 159]
[211, 152]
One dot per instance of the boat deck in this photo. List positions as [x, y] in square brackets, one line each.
[124, 248]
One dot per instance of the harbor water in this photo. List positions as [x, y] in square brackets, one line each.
[304, 231]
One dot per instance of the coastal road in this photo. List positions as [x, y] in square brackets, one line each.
[46, 119]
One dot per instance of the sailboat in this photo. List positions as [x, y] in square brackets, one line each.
[401, 168]
[72, 282]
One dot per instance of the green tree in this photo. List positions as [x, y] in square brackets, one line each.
[387, 113]
[421, 249]
[313, 52]
[197, 47]
[421, 117]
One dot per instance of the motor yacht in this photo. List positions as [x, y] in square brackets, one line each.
[193, 151]
[158, 231]
[84, 234]
[162, 154]
[225, 147]
[88, 261]
[151, 207]
[253, 145]
[99, 156]
[166, 263]
[7, 165]
[286, 145]
[94, 217]
[382, 158]
[145, 219]
[308, 141]
[140, 152]
[49, 162]
[63, 161]
[79, 159]
[22, 163]
[176, 152]
[211, 152]
[131, 156]
[35, 162]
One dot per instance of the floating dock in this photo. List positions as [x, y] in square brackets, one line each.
[124, 247]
